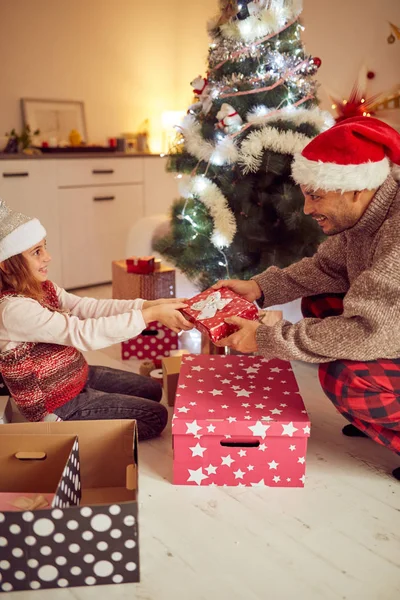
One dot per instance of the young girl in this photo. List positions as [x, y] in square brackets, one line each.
[44, 330]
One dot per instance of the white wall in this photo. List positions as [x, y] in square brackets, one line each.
[131, 59]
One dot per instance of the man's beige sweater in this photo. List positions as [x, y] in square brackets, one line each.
[364, 264]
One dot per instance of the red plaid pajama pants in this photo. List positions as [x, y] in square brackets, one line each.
[366, 393]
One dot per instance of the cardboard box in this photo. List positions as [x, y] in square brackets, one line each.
[35, 465]
[128, 286]
[5, 410]
[239, 421]
[155, 342]
[171, 367]
[97, 542]
[208, 311]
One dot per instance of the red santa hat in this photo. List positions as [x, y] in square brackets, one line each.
[355, 154]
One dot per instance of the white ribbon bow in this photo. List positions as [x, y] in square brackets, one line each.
[210, 305]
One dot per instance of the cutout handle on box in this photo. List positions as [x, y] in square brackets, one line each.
[150, 332]
[239, 444]
[30, 455]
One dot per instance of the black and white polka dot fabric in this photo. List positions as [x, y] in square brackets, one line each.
[69, 488]
[69, 547]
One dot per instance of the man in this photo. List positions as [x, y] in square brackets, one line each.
[350, 287]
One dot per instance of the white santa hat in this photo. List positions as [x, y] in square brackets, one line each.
[353, 155]
[17, 232]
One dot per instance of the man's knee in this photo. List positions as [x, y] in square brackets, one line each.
[336, 378]
[322, 306]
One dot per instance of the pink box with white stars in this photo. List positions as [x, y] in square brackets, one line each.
[239, 421]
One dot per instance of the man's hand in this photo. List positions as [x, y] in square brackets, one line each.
[243, 340]
[249, 290]
[168, 314]
[151, 303]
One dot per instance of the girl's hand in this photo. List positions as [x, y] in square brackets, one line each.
[168, 314]
[151, 303]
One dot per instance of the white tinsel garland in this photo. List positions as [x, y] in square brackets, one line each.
[261, 115]
[206, 191]
[226, 151]
[253, 147]
[222, 153]
[269, 20]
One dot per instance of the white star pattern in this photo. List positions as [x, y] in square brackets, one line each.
[197, 450]
[239, 474]
[259, 429]
[211, 470]
[188, 358]
[197, 476]
[227, 460]
[235, 403]
[259, 484]
[244, 393]
[289, 429]
[251, 370]
[193, 428]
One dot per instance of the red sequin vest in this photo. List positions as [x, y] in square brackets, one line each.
[42, 377]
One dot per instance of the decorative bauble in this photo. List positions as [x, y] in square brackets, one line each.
[317, 61]
[371, 75]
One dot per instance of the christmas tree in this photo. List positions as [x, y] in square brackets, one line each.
[240, 211]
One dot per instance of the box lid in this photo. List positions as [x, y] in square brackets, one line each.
[245, 396]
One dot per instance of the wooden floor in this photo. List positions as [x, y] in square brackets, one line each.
[338, 538]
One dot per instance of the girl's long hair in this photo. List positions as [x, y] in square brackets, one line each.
[17, 277]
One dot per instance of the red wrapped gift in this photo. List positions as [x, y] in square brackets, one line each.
[208, 312]
[142, 264]
[239, 421]
[154, 343]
